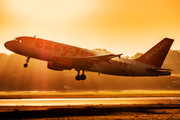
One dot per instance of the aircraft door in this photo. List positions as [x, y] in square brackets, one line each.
[133, 67]
[30, 44]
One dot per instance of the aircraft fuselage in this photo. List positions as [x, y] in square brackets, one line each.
[47, 50]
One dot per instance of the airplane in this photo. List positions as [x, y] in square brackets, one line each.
[61, 57]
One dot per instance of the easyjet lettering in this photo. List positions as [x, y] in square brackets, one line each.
[64, 50]
[156, 50]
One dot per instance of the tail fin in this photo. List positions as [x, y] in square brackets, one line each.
[156, 55]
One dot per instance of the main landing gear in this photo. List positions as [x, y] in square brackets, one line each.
[26, 64]
[80, 77]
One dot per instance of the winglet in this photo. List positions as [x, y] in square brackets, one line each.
[156, 55]
[119, 55]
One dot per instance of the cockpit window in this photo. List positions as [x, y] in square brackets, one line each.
[14, 39]
[17, 40]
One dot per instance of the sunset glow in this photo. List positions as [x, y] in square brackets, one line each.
[115, 25]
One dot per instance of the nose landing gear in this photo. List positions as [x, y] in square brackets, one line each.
[80, 77]
[26, 64]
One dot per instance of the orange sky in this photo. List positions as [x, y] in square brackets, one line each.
[120, 26]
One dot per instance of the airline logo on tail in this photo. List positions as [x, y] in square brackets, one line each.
[156, 55]
[157, 49]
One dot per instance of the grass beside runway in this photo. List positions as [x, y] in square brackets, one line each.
[99, 94]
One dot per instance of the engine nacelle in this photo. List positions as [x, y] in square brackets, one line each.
[50, 66]
[62, 63]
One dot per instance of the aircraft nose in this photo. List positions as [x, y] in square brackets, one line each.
[8, 45]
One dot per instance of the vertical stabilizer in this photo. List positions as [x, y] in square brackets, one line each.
[156, 55]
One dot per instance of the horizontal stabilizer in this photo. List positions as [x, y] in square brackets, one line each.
[158, 70]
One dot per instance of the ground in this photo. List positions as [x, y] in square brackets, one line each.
[135, 111]
[159, 111]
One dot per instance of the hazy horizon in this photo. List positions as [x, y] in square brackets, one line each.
[37, 77]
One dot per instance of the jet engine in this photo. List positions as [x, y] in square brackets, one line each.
[60, 63]
[50, 66]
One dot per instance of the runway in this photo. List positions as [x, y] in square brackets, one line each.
[89, 101]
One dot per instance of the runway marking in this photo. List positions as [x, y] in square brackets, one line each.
[89, 101]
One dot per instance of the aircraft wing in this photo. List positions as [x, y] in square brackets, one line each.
[90, 61]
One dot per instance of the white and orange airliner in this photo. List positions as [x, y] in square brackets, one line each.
[61, 57]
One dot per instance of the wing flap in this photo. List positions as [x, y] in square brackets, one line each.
[103, 57]
[90, 61]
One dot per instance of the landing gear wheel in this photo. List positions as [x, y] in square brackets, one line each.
[26, 65]
[83, 77]
[78, 77]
